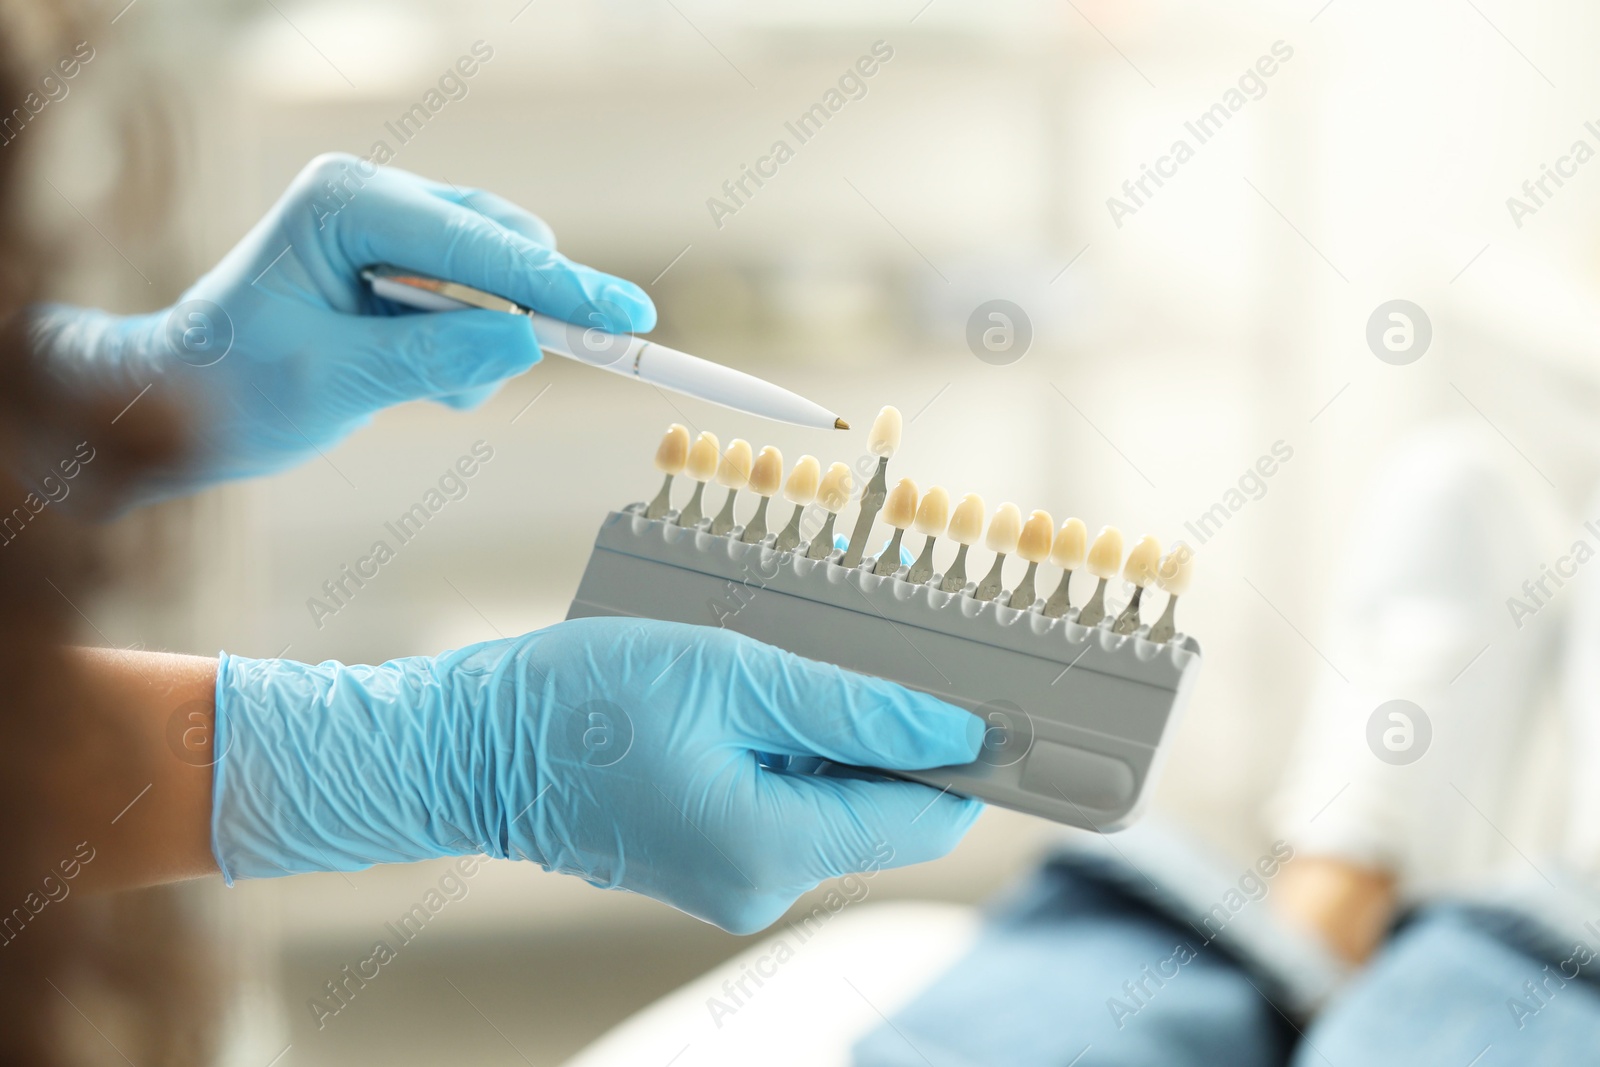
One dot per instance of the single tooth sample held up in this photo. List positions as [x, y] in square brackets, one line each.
[881, 442]
[833, 494]
[932, 516]
[1141, 571]
[800, 490]
[1173, 576]
[899, 511]
[966, 526]
[1068, 553]
[766, 474]
[1004, 530]
[1105, 559]
[733, 474]
[704, 456]
[1033, 546]
[671, 455]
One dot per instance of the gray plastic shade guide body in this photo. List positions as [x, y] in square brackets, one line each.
[1078, 719]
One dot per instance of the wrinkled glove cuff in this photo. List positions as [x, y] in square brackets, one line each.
[329, 767]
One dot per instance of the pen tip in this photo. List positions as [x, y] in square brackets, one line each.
[840, 424]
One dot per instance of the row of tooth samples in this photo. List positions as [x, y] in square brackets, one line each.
[1034, 539]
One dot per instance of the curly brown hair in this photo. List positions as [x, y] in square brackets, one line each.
[78, 972]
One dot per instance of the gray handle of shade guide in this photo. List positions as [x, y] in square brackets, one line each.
[1079, 718]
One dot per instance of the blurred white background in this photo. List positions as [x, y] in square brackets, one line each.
[1170, 352]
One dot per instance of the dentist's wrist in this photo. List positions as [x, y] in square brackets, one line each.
[334, 767]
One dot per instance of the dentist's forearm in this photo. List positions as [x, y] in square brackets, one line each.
[146, 803]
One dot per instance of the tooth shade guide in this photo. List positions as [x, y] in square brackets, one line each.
[966, 521]
[1061, 600]
[1023, 596]
[884, 438]
[673, 452]
[766, 473]
[705, 455]
[1143, 562]
[662, 503]
[1069, 552]
[822, 543]
[933, 515]
[734, 470]
[900, 506]
[1165, 628]
[756, 529]
[1035, 541]
[1173, 575]
[933, 512]
[671, 455]
[955, 579]
[834, 491]
[922, 570]
[889, 560]
[1094, 611]
[1105, 554]
[872, 498]
[1128, 621]
[1126, 691]
[801, 488]
[788, 538]
[990, 587]
[1004, 530]
[1071, 548]
[832, 494]
[1176, 571]
[724, 522]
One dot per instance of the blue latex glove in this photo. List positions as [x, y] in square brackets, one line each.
[629, 752]
[286, 351]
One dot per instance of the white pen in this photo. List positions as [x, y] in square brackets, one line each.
[626, 354]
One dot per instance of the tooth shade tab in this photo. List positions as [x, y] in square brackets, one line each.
[705, 455]
[900, 506]
[933, 514]
[966, 522]
[673, 452]
[884, 440]
[766, 473]
[1105, 555]
[1142, 562]
[1072, 545]
[734, 470]
[1037, 532]
[801, 488]
[1176, 571]
[1004, 529]
[834, 492]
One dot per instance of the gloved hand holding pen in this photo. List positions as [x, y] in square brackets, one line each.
[639, 755]
[284, 349]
